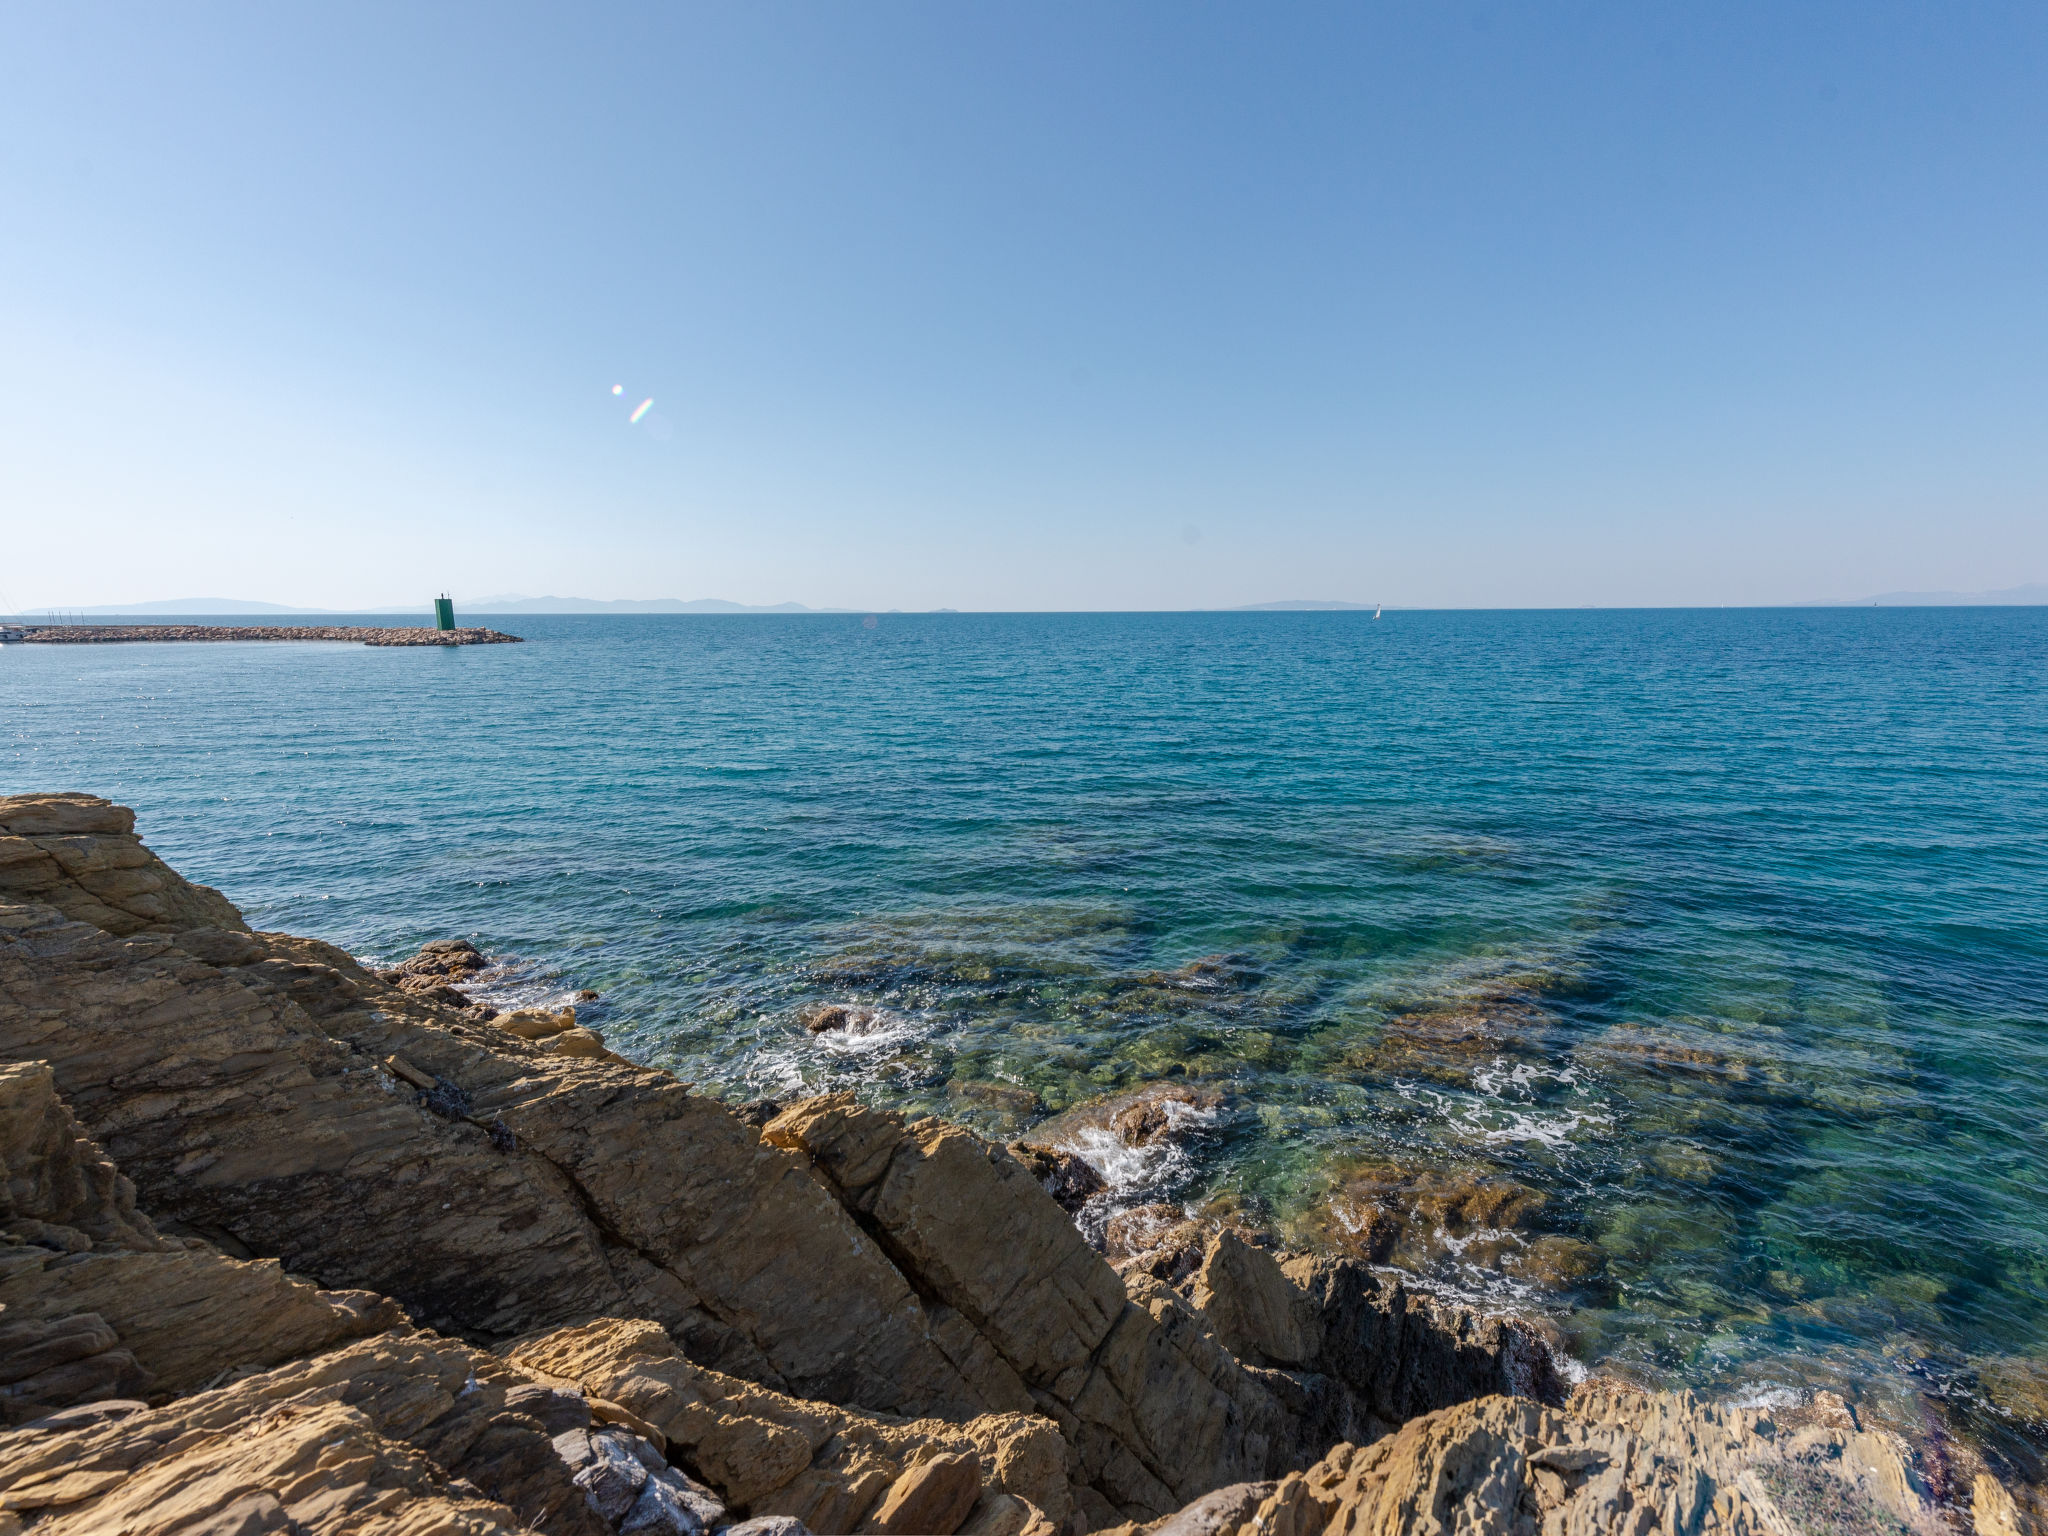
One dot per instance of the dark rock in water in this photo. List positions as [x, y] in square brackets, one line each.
[1163, 1110]
[828, 1016]
[432, 973]
[443, 960]
[1155, 1115]
[1064, 1176]
[586, 996]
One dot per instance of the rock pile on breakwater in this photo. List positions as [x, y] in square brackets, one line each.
[288, 1245]
[100, 634]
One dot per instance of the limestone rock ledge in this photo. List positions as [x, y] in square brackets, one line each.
[389, 1263]
[1615, 1460]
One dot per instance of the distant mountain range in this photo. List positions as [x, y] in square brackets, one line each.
[209, 606]
[2035, 594]
[513, 603]
[2004, 597]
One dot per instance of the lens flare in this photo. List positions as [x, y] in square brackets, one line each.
[641, 410]
[618, 389]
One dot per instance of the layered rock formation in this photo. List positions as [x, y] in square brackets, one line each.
[1616, 1460]
[407, 1264]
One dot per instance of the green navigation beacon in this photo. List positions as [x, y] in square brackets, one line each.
[444, 612]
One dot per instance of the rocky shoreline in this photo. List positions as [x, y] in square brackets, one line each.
[103, 634]
[288, 1244]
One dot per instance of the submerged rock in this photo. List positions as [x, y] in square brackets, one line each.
[1419, 1217]
[1150, 1116]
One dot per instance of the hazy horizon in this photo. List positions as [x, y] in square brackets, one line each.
[2028, 596]
[1043, 309]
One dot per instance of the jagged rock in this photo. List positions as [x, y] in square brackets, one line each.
[113, 1308]
[931, 1498]
[188, 1317]
[1619, 1463]
[320, 1470]
[1258, 1314]
[809, 1324]
[58, 1362]
[1224, 1510]
[537, 1023]
[1004, 1514]
[323, 1445]
[1159, 1241]
[1994, 1511]
[444, 1408]
[80, 854]
[53, 1177]
[252, 1100]
[1156, 1410]
[1070, 1180]
[767, 1453]
[1163, 1110]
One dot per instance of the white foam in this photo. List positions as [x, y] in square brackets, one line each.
[1556, 1131]
[1127, 1170]
[1499, 1079]
[868, 1031]
[1766, 1395]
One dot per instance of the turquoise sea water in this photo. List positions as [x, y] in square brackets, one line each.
[1715, 942]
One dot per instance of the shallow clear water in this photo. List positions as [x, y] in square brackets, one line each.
[1714, 943]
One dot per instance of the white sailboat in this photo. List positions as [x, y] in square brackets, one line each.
[1376, 610]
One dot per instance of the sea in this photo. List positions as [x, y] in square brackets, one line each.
[1680, 977]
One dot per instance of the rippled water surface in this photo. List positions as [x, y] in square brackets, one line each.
[1685, 974]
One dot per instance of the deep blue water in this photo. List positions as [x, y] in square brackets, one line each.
[1725, 933]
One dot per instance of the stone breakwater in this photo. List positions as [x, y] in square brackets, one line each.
[102, 634]
[289, 1245]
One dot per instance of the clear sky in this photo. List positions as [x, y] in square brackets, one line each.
[1008, 305]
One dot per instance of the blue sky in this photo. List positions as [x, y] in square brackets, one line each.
[1023, 306]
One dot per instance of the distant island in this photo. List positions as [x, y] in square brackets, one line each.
[2005, 597]
[1301, 605]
